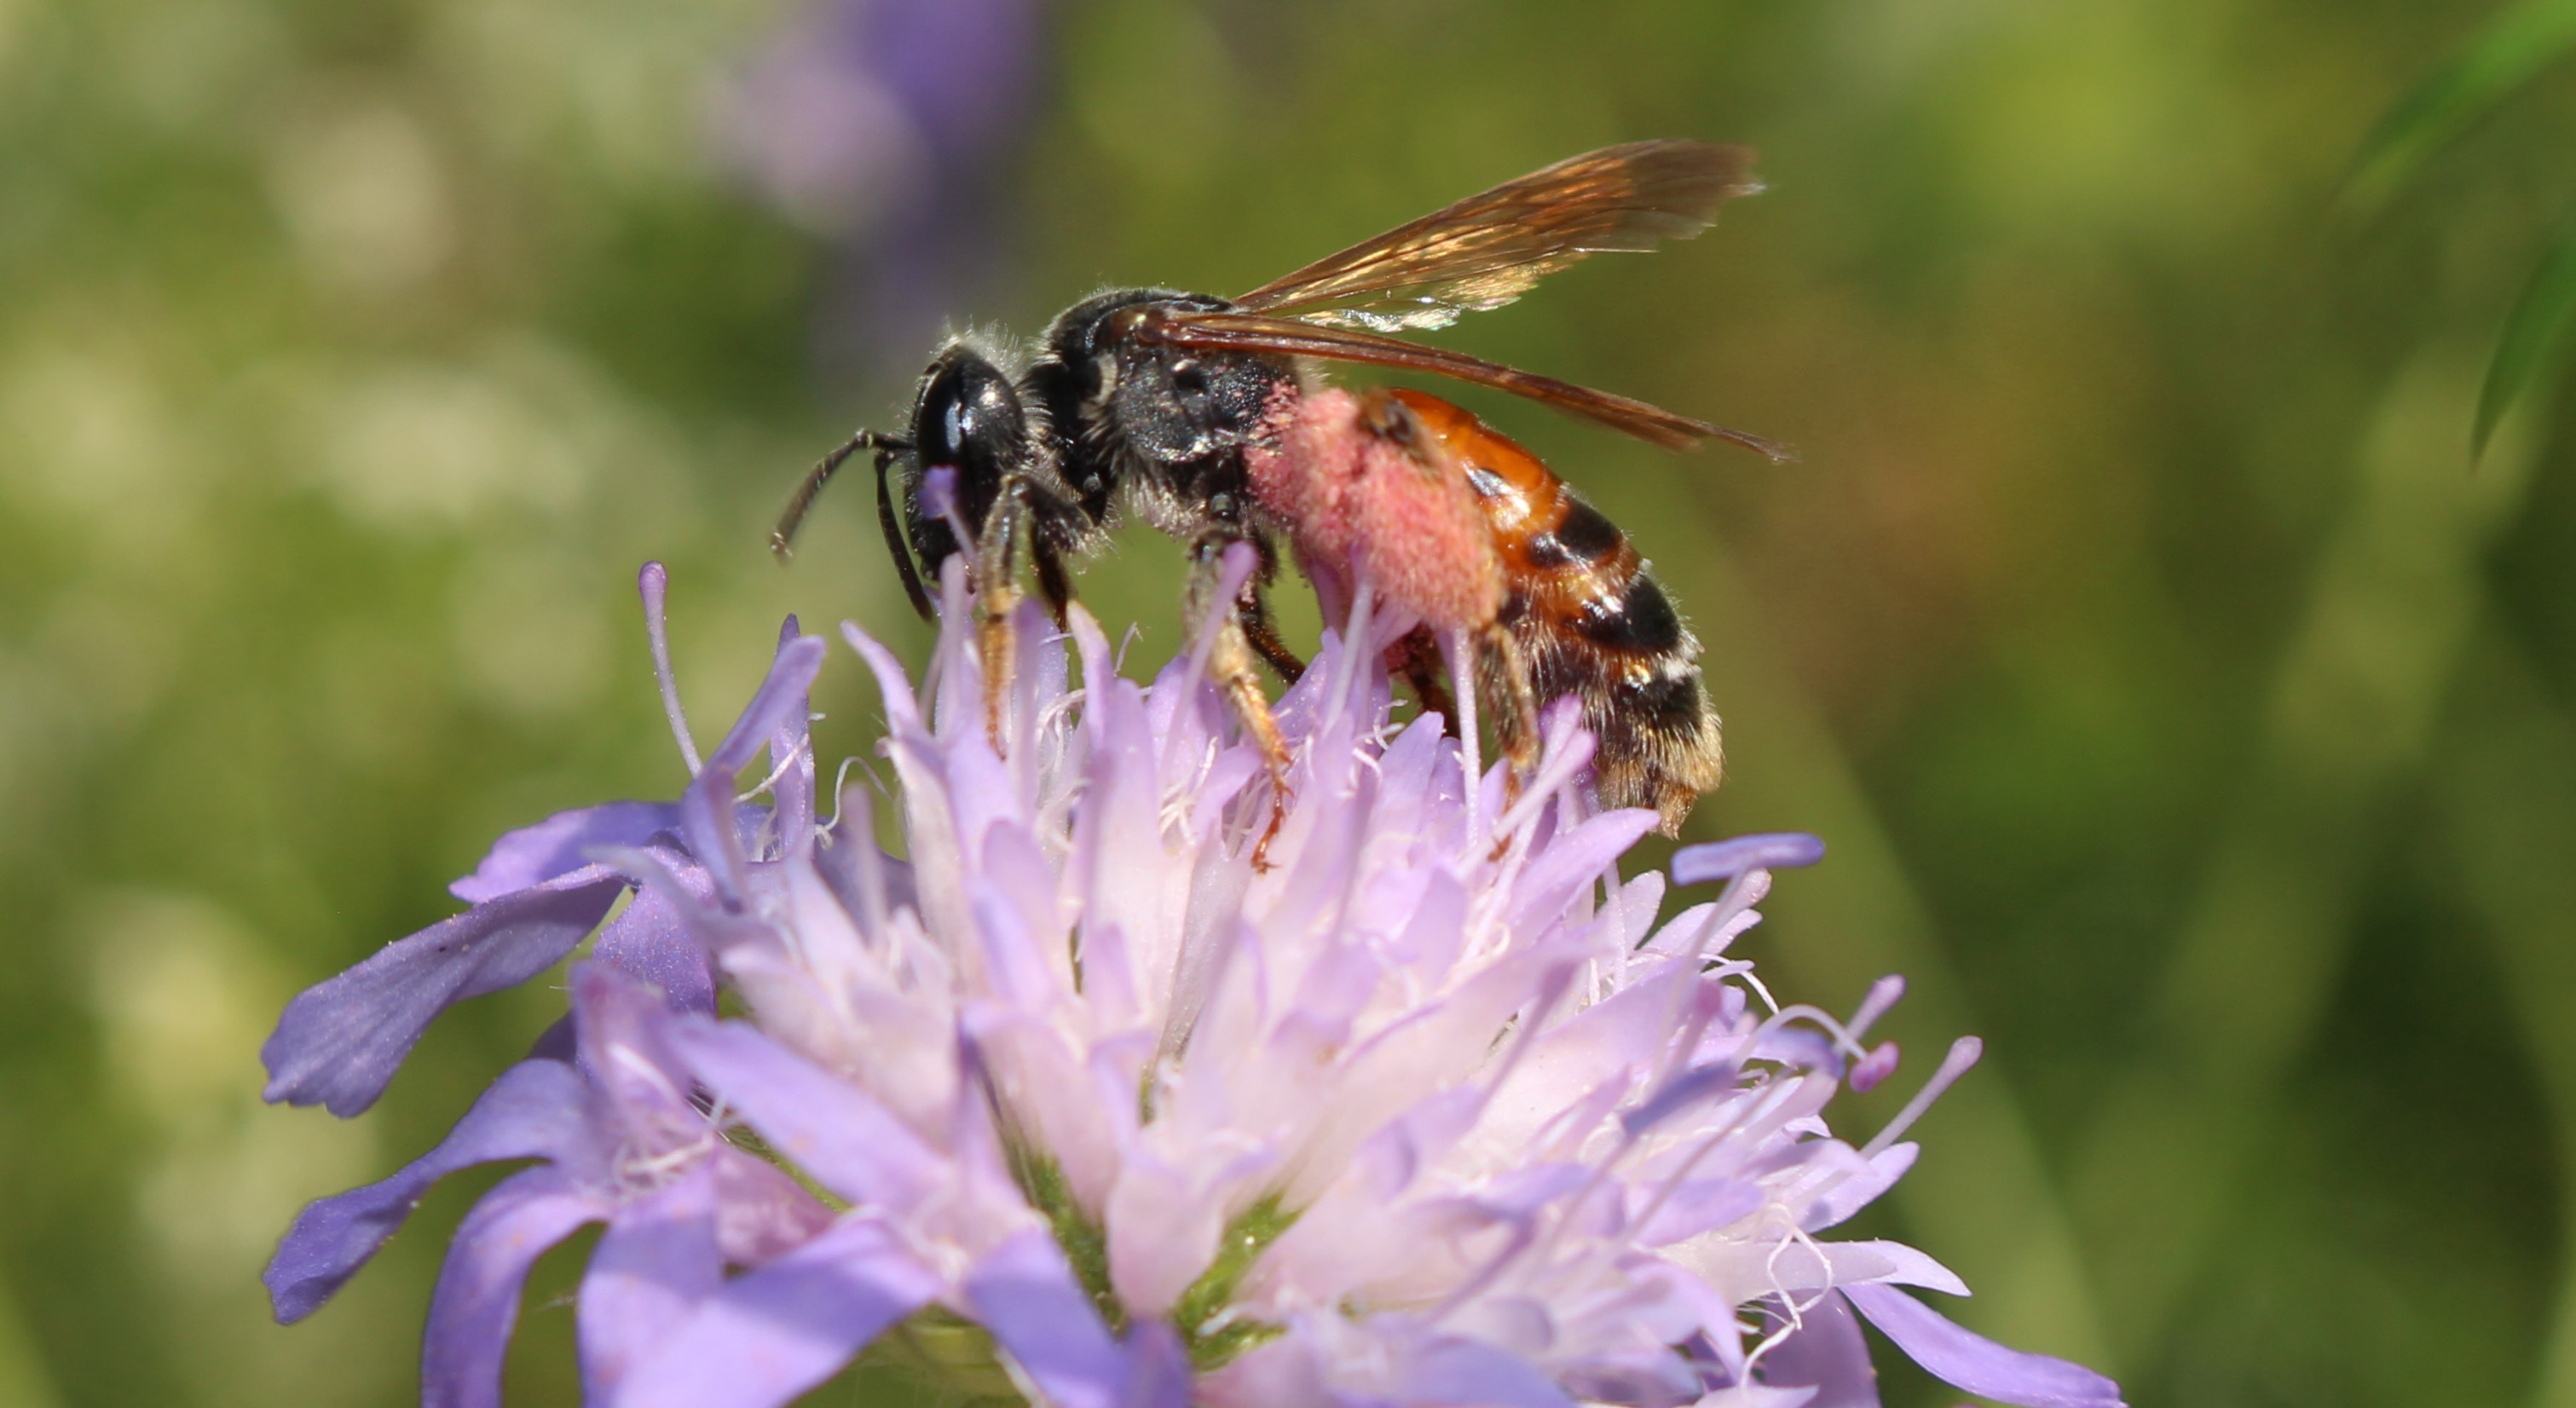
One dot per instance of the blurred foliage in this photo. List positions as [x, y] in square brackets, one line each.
[2183, 712]
[2510, 50]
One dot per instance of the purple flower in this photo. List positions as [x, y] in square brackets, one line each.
[1431, 1111]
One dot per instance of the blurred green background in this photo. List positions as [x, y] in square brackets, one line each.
[2186, 714]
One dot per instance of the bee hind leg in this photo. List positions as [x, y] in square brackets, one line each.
[1506, 674]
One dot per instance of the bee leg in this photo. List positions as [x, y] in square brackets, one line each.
[1230, 664]
[1011, 530]
[1416, 660]
[1252, 611]
[1516, 705]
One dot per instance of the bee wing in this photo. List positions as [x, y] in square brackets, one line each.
[1253, 332]
[1488, 249]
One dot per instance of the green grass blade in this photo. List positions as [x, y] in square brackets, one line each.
[2532, 334]
[2505, 53]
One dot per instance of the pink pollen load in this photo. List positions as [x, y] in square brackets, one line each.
[1358, 502]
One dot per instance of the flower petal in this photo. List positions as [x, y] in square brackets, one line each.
[835, 1132]
[535, 1110]
[477, 1300]
[341, 1040]
[560, 844]
[651, 940]
[651, 1269]
[1827, 1354]
[1158, 1368]
[1724, 860]
[1026, 1295]
[708, 820]
[772, 1333]
[1978, 1365]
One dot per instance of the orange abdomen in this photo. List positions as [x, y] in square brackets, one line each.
[1590, 620]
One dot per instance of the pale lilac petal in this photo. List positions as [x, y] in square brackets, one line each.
[1025, 1294]
[761, 1213]
[791, 757]
[535, 1110]
[1574, 861]
[1724, 860]
[561, 844]
[341, 1040]
[653, 1266]
[772, 1333]
[477, 1301]
[1446, 1371]
[1862, 1188]
[1825, 1353]
[832, 1130]
[1970, 1362]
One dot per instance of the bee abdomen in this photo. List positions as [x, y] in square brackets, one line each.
[1591, 622]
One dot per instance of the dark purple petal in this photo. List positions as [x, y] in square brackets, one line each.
[775, 1332]
[341, 1040]
[651, 941]
[831, 1129]
[1026, 1295]
[560, 844]
[653, 1267]
[1724, 860]
[534, 1111]
[1825, 1353]
[1976, 1364]
[622, 1032]
[1158, 1368]
[477, 1300]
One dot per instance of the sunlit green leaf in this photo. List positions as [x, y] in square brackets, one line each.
[2531, 335]
[2514, 45]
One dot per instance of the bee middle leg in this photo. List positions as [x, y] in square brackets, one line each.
[1252, 611]
[1230, 664]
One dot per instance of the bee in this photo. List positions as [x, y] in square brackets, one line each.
[1157, 402]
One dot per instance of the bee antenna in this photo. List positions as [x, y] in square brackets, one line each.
[802, 501]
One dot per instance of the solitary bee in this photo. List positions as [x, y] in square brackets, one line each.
[1163, 402]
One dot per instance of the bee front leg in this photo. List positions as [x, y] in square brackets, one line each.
[1010, 534]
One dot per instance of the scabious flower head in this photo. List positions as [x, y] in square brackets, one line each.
[1429, 1111]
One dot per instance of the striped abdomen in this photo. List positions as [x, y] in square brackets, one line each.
[1589, 621]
